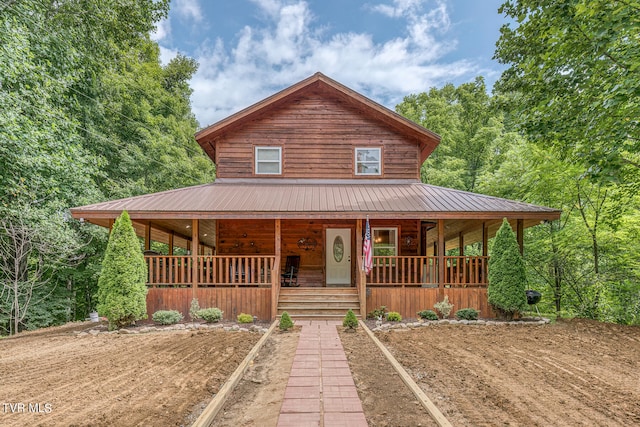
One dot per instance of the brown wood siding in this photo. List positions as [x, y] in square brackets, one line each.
[232, 301]
[409, 301]
[318, 137]
[246, 237]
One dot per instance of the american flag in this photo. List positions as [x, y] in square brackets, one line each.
[367, 254]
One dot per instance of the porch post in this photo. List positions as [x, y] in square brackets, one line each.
[147, 236]
[195, 242]
[171, 243]
[441, 266]
[520, 234]
[485, 239]
[461, 244]
[275, 276]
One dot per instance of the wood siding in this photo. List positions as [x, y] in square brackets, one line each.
[409, 301]
[232, 301]
[318, 136]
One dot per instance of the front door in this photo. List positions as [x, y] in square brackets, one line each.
[338, 256]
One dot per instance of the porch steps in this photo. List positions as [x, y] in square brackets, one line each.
[318, 303]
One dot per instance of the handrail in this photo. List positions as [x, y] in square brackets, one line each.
[460, 271]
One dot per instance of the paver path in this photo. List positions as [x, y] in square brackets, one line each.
[320, 391]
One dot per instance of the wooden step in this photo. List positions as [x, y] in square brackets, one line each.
[318, 303]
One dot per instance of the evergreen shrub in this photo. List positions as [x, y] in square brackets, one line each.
[428, 315]
[209, 315]
[394, 316]
[444, 307]
[122, 290]
[167, 317]
[467, 314]
[245, 318]
[285, 322]
[350, 320]
[507, 274]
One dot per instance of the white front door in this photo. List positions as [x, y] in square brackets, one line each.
[338, 256]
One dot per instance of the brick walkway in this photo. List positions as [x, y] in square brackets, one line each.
[320, 391]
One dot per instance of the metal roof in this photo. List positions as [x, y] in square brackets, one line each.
[306, 199]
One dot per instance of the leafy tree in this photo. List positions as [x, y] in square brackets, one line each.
[471, 131]
[122, 287]
[34, 246]
[574, 77]
[507, 275]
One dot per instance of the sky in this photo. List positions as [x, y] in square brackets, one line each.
[248, 50]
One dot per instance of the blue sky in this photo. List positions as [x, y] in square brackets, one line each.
[384, 49]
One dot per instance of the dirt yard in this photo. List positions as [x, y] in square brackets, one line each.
[573, 373]
[53, 377]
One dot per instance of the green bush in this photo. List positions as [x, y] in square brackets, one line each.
[350, 320]
[167, 317]
[285, 322]
[209, 315]
[507, 274]
[467, 314]
[245, 318]
[193, 309]
[428, 315]
[444, 307]
[378, 313]
[122, 290]
[394, 316]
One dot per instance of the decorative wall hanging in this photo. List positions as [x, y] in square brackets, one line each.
[307, 243]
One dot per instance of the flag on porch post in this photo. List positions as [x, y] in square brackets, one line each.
[367, 254]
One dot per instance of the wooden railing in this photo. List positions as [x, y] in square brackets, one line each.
[212, 270]
[460, 271]
[165, 270]
[403, 270]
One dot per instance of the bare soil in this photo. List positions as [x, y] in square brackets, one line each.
[257, 399]
[55, 377]
[572, 373]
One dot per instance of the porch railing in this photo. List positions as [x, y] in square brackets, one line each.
[212, 270]
[460, 271]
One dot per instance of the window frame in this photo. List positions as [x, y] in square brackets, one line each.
[394, 246]
[258, 161]
[358, 162]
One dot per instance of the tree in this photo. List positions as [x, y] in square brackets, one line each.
[33, 247]
[122, 287]
[471, 130]
[507, 274]
[574, 78]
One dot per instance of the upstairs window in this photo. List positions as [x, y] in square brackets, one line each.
[368, 161]
[268, 160]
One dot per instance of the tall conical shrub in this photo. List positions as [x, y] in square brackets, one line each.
[507, 275]
[122, 291]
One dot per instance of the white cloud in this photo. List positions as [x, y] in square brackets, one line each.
[290, 46]
[167, 55]
[163, 30]
[189, 9]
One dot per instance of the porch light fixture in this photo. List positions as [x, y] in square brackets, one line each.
[307, 243]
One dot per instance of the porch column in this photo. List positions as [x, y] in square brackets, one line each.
[275, 275]
[441, 266]
[461, 244]
[147, 236]
[485, 239]
[171, 243]
[520, 234]
[195, 242]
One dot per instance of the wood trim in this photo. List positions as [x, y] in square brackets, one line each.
[441, 266]
[520, 234]
[485, 239]
[147, 236]
[195, 239]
